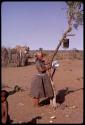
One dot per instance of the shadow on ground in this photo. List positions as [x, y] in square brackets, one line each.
[60, 97]
[33, 121]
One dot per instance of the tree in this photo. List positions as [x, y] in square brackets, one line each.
[75, 13]
[74, 18]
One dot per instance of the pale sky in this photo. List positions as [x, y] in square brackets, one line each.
[36, 24]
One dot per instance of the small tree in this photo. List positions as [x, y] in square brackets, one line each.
[74, 18]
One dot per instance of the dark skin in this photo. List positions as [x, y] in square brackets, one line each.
[4, 109]
[47, 64]
[4, 105]
[45, 68]
[5, 118]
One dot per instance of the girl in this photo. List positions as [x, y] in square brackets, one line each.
[41, 84]
[4, 107]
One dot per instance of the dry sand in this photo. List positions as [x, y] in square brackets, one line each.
[21, 109]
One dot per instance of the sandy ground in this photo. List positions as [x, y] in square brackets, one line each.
[21, 109]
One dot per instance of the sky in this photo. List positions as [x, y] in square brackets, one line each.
[37, 25]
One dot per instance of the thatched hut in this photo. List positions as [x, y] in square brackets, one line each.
[4, 56]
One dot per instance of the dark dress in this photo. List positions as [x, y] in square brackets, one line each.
[41, 84]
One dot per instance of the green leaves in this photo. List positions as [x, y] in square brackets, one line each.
[75, 13]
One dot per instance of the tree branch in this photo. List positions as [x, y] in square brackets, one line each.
[61, 41]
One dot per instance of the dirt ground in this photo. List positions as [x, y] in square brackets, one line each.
[21, 109]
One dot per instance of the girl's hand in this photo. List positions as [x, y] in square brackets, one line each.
[48, 67]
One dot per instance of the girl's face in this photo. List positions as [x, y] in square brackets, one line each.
[3, 98]
[39, 56]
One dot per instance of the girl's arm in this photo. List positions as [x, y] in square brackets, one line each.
[42, 68]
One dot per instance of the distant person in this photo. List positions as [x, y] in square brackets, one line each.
[5, 119]
[41, 84]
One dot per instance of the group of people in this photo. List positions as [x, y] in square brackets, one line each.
[40, 87]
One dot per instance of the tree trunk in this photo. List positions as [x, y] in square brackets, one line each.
[61, 41]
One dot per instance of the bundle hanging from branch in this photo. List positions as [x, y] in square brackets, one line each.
[75, 17]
